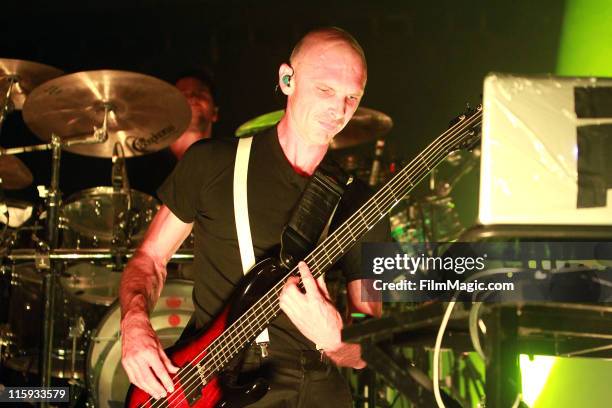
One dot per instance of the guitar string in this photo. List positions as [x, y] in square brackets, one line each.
[248, 330]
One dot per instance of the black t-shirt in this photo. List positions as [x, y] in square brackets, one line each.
[200, 190]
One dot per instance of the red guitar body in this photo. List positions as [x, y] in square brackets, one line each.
[218, 391]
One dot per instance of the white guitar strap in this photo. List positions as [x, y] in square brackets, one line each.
[241, 214]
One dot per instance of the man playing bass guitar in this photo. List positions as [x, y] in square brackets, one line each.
[324, 82]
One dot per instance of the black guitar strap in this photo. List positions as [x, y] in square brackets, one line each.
[312, 214]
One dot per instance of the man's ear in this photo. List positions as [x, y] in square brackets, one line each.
[285, 79]
[215, 116]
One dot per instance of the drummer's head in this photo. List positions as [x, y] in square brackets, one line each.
[199, 89]
[324, 82]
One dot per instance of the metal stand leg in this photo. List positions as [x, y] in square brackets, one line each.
[53, 198]
[503, 375]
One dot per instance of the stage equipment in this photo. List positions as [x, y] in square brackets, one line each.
[546, 151]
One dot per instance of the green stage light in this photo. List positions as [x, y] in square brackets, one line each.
[534, 374]
[586, 39]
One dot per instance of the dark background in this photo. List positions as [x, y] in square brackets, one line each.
[426, 59]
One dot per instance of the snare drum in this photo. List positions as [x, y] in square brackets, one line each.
[107, 381]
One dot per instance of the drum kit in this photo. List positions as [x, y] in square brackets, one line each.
[60, 270]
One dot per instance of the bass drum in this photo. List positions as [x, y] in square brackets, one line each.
[108, 382]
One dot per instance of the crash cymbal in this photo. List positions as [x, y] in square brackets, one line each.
[365, 125]
[146, 114]
[26, 76]
[14, 174]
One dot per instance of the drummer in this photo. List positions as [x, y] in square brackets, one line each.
[199, 89]
[146, 173]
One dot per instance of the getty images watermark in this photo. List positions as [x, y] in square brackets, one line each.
[489, 272]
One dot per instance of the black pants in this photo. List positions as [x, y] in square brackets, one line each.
[298, 380]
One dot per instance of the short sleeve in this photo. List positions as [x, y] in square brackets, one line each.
[180, 192]
[355, 196]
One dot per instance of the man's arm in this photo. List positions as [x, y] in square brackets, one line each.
[317, 318]
[142, 280]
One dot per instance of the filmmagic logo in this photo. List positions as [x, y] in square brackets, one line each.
[446, 286]
[410, 264]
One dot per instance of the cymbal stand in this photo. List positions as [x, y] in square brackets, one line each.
[122, 206]
[53, 196]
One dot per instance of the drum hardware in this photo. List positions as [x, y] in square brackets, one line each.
[122, 203]
[69, 254]
[77, 328]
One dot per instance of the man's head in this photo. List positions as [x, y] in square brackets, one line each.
[324, 83]
[199, 89]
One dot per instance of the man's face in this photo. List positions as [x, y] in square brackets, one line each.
[329, 82]
[203, 109]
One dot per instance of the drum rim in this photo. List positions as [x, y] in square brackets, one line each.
[103, 190]
[89, 378]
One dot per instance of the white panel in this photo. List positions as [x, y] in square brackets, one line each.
[529, 152]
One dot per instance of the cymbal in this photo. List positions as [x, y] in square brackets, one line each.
[14, 174]
[146, 113]
[260, 123]
[365, 125]
[27, 75]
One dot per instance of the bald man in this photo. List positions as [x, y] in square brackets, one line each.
[324, 82]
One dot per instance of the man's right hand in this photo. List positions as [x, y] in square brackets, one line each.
[143, 357]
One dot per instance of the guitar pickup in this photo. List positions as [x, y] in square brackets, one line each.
[192, 388]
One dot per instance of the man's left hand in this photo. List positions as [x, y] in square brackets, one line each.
[312, 312]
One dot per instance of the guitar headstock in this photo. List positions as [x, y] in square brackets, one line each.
[468, 129]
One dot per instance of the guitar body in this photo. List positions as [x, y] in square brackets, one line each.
[220, 391]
